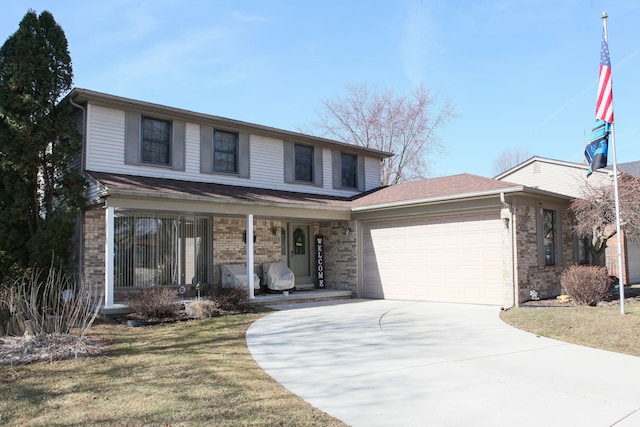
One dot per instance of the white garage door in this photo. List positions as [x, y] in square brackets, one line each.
[453, 259]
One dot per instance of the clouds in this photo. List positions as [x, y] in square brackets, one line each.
[156, 53]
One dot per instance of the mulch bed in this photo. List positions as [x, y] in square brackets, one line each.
[27, 349]
[631, 296]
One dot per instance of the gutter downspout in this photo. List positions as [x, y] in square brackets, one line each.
[82, 162]
[84, 132]
[506, 214]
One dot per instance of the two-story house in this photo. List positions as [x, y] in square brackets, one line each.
[175, 194]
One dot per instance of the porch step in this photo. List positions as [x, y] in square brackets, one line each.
[301, 296]
[114, 310]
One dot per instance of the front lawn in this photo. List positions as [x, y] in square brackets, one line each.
[198, 372]
[600, 327]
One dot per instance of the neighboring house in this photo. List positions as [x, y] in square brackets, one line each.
[569, 178]
[174, 194]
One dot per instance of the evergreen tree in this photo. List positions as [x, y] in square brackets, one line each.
[40, 182]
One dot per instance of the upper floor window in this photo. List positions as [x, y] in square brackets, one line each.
[303, 163]
[549, 236]
[349, 168]
[225, 152]
[156, 141]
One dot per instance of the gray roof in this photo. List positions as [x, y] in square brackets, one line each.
[632, 168]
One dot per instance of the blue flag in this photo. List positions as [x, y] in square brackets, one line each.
[597, 149]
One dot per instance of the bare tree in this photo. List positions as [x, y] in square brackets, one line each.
[405, 125]
[508, 159]
[595, 212]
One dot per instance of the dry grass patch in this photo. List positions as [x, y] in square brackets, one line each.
[186, 373]
[599, 327]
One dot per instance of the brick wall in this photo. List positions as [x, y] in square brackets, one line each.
[341, 260]
[544, 280]
[611, 258]
[230, 248]
[93, 248]
[341, 254]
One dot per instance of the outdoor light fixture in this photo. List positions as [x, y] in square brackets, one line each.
[244, 236]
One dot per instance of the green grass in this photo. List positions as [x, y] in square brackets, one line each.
[599, 327]
[186, 373]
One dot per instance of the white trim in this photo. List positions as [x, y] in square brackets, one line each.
[250, 272]
[535, 159]
[109, 248]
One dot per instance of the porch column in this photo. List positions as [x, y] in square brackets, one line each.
[249, 234]
[109, 249]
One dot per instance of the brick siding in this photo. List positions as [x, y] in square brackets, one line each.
[544, 280]
[229, 246]
[94, 241]
[341, 254]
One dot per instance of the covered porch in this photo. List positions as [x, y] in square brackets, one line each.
[242, 226]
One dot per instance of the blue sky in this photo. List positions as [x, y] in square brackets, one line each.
[522, 73]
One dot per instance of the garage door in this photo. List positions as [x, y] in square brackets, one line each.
[453, 258]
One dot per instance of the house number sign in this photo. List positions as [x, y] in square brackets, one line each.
[319, 261]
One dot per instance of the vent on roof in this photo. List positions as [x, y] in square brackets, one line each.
[536, 168]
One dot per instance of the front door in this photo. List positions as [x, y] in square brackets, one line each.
[299, 256]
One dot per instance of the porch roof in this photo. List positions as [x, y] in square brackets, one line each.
[148, 187]
[429, 191]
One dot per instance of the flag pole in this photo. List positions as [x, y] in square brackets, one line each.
[616, 196]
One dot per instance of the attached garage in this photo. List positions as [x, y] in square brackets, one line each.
[462, 239]
[452, 258]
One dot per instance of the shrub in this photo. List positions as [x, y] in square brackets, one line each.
[229, 299]
[42, 304]
[155, 303]
[202, 309]
[585, 284]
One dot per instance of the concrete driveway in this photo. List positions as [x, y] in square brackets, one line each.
[401, 363]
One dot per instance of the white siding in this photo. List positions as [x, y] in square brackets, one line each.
[371, 173]
[558, 178]
[192, 155]
[327, 169]
[106, 145]
[267, 161]
[105, 135]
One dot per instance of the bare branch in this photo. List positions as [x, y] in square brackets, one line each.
[406, 125]
[508, 159]
[595, 212]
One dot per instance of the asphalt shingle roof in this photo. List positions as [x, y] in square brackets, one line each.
[454, 185]
[450, 186]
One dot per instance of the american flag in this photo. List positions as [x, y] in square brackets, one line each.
[604, 105]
